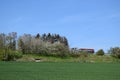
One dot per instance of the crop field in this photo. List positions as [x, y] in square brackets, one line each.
[59, 71]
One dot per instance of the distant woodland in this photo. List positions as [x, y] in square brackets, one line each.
[13, 46]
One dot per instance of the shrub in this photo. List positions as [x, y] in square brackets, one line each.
[11, 55]
[74, 55]
[57, 50]
[1, 54]
[83, 54]
[115, 52]
[62, 55]
[100, 52]
[79, 54]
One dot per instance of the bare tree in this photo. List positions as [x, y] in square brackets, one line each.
[24, 43]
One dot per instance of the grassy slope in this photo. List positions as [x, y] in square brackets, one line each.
[90, 58]
[59, 71]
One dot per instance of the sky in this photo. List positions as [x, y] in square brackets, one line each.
[85, 23]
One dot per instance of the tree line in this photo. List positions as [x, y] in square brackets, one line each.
[45, 44]
[13, 46]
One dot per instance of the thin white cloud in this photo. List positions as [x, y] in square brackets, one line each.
[115, 15]
[70, 18]
[80, 19]
[15, 22]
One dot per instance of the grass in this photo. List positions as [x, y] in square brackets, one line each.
[59, 71]
[90, 58]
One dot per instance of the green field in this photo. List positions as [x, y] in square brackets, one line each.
[59, 71]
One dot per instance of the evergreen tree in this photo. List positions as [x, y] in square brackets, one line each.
[100, 52]
[37, 36]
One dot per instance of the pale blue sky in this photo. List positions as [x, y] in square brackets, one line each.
[86, 23]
